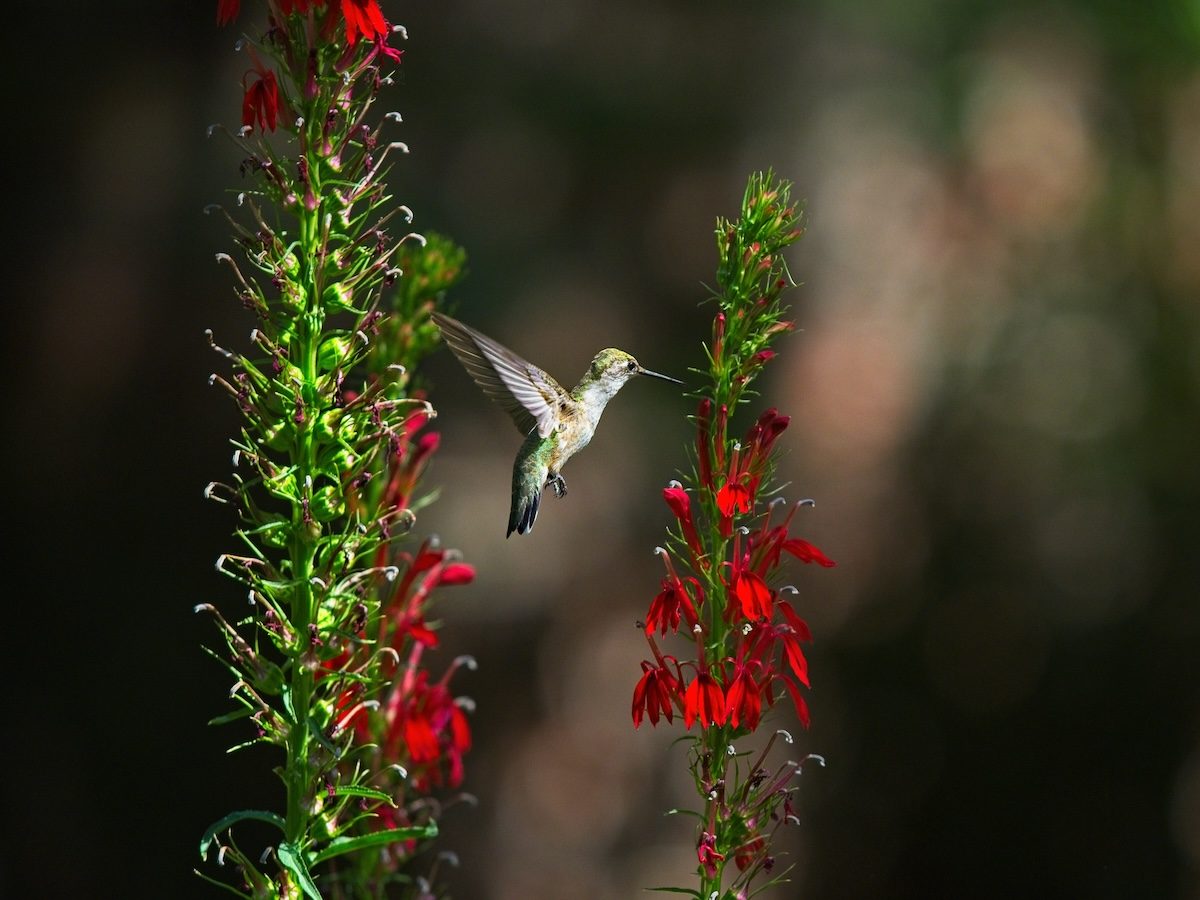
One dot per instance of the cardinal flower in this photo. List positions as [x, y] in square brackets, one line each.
[704, 700]
[365, 18]
[655, 694]
[260, 104]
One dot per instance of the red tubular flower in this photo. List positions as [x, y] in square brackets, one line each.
[672, 602]
[433, 731]
[753, 595]
[655, 694]
[806, 552]
[365, 18]
[750, 853]
[681, 504]
[704, 700]
[227, 11]
[799, 631]
[706, 852]
[457, 573]
[743, 700]
[260, 104]
[734, 495]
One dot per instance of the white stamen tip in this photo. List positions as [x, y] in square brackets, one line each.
[788, 589]
[787, 735]
[398, 145]
[468, 661]
[674, 484]
[465, 703]
[391, 572]
[395, 117]
[659, 551]
[224, 257]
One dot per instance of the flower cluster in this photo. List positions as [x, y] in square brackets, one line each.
[731, 541]
[330, 665]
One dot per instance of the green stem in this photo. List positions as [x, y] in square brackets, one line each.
[304, 544]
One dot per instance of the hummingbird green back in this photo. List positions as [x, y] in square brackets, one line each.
[556, 423]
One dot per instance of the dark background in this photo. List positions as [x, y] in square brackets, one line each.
[994, 394]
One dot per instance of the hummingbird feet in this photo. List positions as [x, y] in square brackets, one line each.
[559, 484]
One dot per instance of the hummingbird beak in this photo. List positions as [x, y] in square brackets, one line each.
[642, 371]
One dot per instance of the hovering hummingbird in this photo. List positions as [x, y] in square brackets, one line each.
[556, 423]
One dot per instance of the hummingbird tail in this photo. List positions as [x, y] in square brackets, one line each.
[524, 511]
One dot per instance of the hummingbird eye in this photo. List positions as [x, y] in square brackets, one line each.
[631, 365]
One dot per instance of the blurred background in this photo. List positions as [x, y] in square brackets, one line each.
[995, 392]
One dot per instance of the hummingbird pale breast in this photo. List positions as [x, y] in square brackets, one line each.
[556, 423]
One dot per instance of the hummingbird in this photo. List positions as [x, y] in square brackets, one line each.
[557, 423]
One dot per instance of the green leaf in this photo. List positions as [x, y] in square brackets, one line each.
[293, 860]
[242, 814]
[230, 717]
[676, 890]
[341, 845]
[357, 790]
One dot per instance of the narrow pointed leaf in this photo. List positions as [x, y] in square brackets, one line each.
[242, 814]
[293, 860]
[338, 846]
[357, 790]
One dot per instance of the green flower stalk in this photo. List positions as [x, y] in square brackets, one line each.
[723, 565]
[328, 665]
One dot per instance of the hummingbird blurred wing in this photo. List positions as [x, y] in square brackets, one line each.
[526, 393]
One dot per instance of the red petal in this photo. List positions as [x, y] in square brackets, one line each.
[806, 552]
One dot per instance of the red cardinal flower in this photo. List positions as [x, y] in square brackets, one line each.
[753, 595]
[365, 18]
[655, 694]
[261, 101]
[743, 700]
[672, 603]
[734, 495]
[706, 852]
[806, 552]
[681, 504]
[227, 11]
[704, 700]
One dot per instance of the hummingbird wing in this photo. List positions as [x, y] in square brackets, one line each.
[526, 393]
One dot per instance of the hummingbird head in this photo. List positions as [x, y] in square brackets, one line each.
[613, 367]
